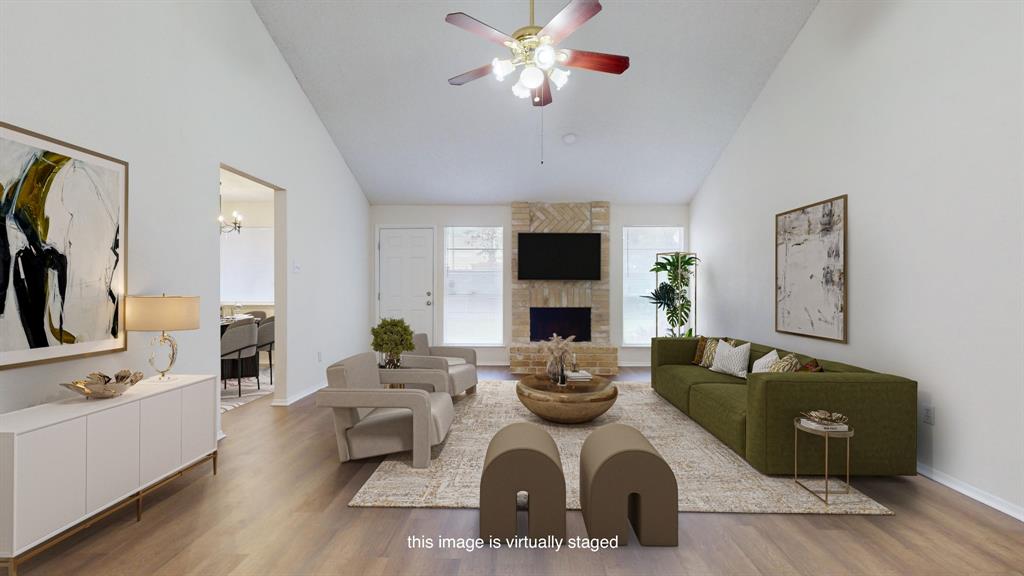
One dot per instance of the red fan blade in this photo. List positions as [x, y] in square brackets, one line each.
[470, 24]
[473, 74]
[541, 96]
[610, 63]
[574, 15]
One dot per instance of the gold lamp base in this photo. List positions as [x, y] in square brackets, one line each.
[164, 338]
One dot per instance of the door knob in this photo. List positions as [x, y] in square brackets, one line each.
[428, 292]
[428, 302]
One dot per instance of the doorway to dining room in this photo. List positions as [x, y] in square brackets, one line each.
[251, 288]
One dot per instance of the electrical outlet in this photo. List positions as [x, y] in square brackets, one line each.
[929, 415]
[319, 356]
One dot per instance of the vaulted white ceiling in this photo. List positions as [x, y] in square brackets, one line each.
[376, 72]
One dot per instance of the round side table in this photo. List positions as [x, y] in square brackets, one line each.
[798, 427]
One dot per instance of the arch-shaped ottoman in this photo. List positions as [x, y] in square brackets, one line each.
[522, 457]
[622, 477]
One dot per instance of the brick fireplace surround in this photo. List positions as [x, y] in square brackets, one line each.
[597, 356]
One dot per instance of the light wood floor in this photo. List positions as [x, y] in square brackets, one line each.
[278, 506]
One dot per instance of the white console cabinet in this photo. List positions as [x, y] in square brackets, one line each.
[64, 462]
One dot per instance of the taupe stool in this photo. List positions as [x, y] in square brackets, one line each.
[622, 477]
[522, 457]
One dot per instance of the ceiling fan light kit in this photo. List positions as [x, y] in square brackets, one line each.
[535, 49]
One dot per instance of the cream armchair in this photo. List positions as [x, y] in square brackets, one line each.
[458, 363]
[370, 419]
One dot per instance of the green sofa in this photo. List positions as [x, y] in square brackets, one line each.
[754, 416]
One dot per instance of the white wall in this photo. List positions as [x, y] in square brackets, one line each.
[915, 111]
[176, 89]
[473, 215]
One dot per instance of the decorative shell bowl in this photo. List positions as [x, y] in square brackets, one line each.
[99, 385]
[826, 417]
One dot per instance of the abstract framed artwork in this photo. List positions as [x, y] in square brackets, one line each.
[810, 270]
[63, 228]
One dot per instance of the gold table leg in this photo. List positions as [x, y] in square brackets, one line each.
[796, 468]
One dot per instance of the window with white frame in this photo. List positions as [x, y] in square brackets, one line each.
[473, 285]
[640, 246]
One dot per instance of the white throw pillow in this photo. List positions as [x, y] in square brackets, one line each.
[729, 360]
[762, 363]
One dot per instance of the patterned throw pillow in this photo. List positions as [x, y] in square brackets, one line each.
[731, 360]
[764, 362]
[709, 352]
[702, 342]
[788, 363]
[811, 366]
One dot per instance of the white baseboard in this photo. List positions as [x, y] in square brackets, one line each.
[986, 498]
[293, 399]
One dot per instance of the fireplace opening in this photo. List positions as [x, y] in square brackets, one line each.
[562, 321]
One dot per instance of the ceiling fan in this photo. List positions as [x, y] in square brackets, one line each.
[536, 50]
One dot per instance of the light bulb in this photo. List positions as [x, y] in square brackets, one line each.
[532, 77]
[520, 91]
[544, 57]
[220, 218]
[234, 213]
[559, 77]
[502, 68]
[238, 217]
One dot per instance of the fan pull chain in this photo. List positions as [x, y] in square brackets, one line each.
[541, 135]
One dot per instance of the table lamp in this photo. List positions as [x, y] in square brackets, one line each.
[162, 313]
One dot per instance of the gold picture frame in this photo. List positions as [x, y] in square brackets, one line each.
[63, 273]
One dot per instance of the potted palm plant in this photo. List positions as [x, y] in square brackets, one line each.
[673, 294]
[391, 337]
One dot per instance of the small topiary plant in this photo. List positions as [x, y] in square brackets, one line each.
[391, 337]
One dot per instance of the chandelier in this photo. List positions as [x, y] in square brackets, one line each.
[235, 225]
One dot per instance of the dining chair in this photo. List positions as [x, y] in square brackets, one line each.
[242, 322]
[259, 315]
[239, 342]
[265, 343]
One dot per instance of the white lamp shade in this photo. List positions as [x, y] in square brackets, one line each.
[156, 313]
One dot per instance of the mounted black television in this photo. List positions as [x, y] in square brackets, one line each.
[544, 256]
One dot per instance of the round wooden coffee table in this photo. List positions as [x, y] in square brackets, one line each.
[574, 403]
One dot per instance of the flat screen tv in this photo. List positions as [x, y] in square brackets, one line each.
[544, 256]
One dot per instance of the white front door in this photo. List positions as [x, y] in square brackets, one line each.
[406, 277]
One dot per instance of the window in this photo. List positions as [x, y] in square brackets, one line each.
[640, 246]
[473, 285]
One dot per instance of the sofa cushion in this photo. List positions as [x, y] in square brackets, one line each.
[722, 410]
[731, 360]
[762, 363]
[673, 382]
[387, 430]
[709, 352]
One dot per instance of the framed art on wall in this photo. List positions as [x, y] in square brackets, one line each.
[63, 225]
[810, 270]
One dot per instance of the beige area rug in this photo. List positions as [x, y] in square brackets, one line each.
[711, 477]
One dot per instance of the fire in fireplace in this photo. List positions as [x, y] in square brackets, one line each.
[562, 321]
